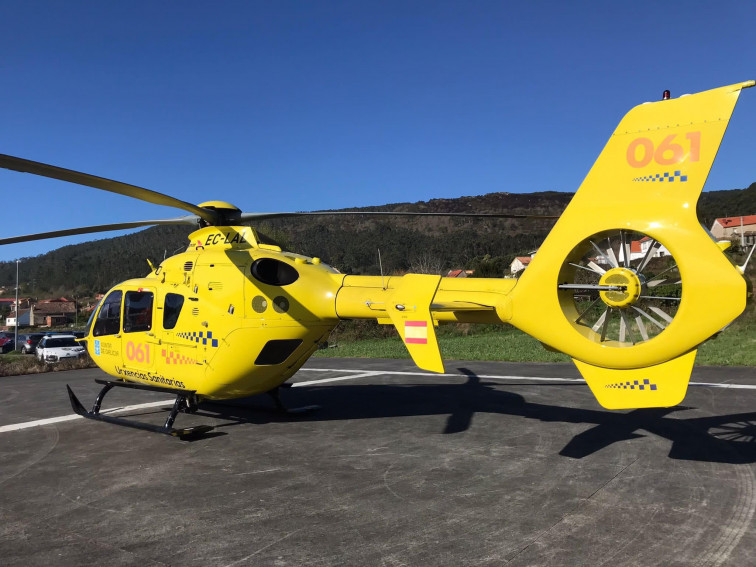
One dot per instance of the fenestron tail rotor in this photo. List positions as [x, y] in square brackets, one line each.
[620, 288]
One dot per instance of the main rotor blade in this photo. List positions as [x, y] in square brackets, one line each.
[262, 216]
[54, 172]
[189, 220]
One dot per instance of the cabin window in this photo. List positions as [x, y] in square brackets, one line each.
[91, 320]
[137, 314]
[172, 309]
[273, 272]
[108, 320]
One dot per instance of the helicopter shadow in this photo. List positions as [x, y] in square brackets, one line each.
[722, 439]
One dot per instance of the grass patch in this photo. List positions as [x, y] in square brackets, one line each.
[457, 342]
[735, 346]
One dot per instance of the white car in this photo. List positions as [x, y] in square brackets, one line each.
[58, 347]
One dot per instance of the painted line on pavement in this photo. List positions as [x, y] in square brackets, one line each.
[490, 377]
[353, 376]
[365, 374]
[71, 417]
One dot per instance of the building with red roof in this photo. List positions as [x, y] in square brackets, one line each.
[742, 228]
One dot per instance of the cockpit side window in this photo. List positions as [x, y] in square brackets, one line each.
[137, 313]
[108, 320]
[91, 320]
[172, 309]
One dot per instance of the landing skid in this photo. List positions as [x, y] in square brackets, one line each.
[186, 401]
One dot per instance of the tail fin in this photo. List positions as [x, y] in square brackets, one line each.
[644, 185]
[661, 151]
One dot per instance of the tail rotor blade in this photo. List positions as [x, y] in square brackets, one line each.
[625, 248]
[600, 321]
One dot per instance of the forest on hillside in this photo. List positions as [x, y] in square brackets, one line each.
[351, 244]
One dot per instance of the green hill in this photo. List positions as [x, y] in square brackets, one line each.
[351, 244]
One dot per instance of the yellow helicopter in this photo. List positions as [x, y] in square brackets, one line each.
[232, 317]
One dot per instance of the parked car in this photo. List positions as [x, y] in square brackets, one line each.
[29, 343]
[58, 347]
[6, 345]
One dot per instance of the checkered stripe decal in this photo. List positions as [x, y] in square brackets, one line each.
[200, 337]
[634, 385]
[176, 358]
[666, 176]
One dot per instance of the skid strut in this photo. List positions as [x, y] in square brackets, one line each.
[186, 401]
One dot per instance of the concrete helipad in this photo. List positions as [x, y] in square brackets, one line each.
[491, 464]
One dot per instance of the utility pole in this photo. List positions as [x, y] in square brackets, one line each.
[15, 340]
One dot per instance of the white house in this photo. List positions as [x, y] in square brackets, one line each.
[519, 263]
[639, 249]
[742, 227]
[23, 315]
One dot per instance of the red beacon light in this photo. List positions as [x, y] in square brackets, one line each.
[665, 95]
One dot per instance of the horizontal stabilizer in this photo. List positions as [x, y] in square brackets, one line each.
[409, 310]
[662, 385]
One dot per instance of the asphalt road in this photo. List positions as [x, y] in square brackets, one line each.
[492, 464]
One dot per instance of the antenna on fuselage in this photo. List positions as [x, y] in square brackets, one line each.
[380, 265]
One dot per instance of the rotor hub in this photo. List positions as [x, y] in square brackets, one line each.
[226, 213]
[624, 277]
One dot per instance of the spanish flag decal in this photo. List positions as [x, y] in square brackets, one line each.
[416, 332]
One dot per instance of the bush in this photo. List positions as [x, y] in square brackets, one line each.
[15, 364]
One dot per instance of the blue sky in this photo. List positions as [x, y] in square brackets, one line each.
[294, 105]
